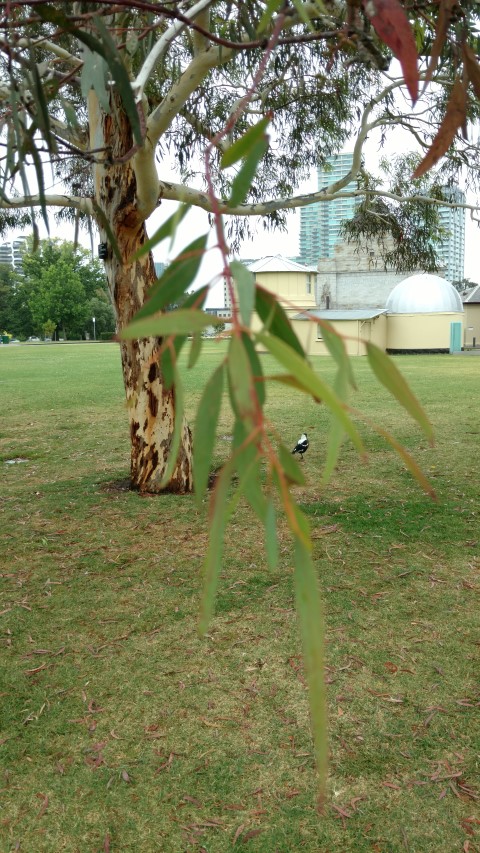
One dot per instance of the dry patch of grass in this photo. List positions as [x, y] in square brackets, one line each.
[122, 730]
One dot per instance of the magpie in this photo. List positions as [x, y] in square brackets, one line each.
[301, 446]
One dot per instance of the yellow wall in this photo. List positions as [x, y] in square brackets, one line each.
[290, 287]
[421, 331]
[354, 333]
[472, 324]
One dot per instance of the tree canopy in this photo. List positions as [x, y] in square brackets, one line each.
[321, 73]
[58, 284]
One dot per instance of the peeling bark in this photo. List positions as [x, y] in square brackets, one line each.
[151, 407]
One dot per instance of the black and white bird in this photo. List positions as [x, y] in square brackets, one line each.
[301, 446]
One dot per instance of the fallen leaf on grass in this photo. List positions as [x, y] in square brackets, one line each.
[188, 799]
[37, 669]
[106, 844]
[44, 806]
[342, 814]
[209, 724]
[125, 776]
[244, 837]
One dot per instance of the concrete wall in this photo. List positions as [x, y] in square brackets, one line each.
[354, 333]
[421, 331]
[471, 323]
[355, 278]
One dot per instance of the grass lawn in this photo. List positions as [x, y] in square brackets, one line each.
[121, 730]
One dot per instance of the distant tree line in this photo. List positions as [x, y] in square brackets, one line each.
[56, 293]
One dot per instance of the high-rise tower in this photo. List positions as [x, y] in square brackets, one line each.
[451, 250]
[320, 223]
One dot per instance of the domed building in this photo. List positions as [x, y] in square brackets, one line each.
[424, 314]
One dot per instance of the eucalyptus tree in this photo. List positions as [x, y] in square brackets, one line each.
[109, 92]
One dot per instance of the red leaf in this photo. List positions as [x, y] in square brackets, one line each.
[473, 68]
[393, 28]
[454, 118]
[106, 843]
[444, 16]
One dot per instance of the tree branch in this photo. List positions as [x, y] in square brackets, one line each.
[160, 48]
[84, 205]
[160, 120]
[189, 195]
[45, 44]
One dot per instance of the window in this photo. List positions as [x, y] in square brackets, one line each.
[309, 283]
[319, 333]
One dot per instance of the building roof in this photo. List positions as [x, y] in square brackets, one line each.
[424, 293]
[473, 296]
[341, 314]
[277, 263]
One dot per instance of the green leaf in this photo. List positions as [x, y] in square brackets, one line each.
[245, 145]
[250, 485]
[312, 631]
[41, 185]
[168, 229]
[271, 539]
[243, 180]
[213, 560]
[275, 319]
[336, 434]
[106, 48]
[122, 80]
[43, 115]
[256, 368]
[409, 461]
[290, 466]
[175, 280]
[241, 382]
[168, 367]
[245, 281]
[303, 14]
[178, 322]
[205, 431]
[286, 379]
[337, 349]
[177, 427]
[246, 459]
[389, 375]
[94, 76]
[312, 383]
[272, 7]
[195, 350]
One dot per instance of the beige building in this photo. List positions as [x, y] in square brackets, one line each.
[471, 306]
[423, 312]
[356, 327]
[293, 284]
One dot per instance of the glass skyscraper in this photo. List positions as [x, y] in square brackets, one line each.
[320, 223]
[451, 251]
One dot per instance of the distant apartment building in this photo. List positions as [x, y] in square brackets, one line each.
[451, 251]
[11, 252]
[320, 223]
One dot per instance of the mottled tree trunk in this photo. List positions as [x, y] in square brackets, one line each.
[151, 407]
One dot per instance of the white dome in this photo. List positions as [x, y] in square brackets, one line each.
[424, 293]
